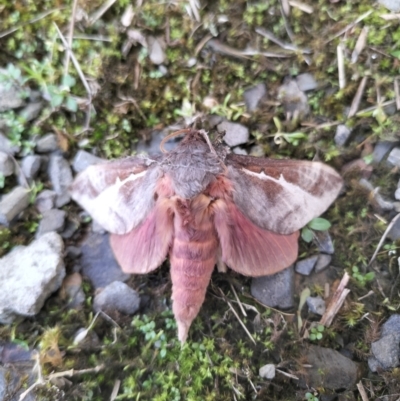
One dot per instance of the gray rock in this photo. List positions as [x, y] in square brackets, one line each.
[73, 252]
[52, 220]
[117, 296]
[316, 305]
[11, 97]
[394, 157]
[47, 143]
[386, 351]
[342, 135]
[330, 369]
[323, 262]
[294, 100]
[12, 204]
[306, 266]
[253, 95]
[267, 371]
[45, 200]
[83, 160]
[7, 146]
[392, 5]
[239, 151]
[156, 48]
[306, 82]
[275, 290]
[31, 111]
[71, 226]
[324, 242]
[381, 150]
[61, 178]
[6, 165]
[11, 377]
[97, 228]
[235, 134]
[394, 232]
[30, 166]
[392, 326]
[98, 262]
[28, 275]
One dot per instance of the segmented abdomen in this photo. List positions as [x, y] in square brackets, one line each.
[193, 256]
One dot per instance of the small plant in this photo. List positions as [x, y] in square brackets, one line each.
[311, 396]
[280, 137]
[362, 279]
[229, 110]
[316, 333]
[317, 224]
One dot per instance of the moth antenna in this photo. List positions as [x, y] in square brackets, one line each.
[172, 135]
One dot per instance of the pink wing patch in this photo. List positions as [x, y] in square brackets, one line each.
[144, 248]
[249, 249]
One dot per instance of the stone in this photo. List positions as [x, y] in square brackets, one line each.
[381, 150]
[73, 252]
[359, 167]
[267, 371]
[7, 146]
[156, 48]
[52, 220]
[397, 194]
[70, 228]
[294, 100]
[239, 151]
[386, 351]
[394, 157]
[235, 134]
[98, 262]
[316, 305]
[276, 290]
[117, 296]
[28, 275]
[342, 135]
[329, 369]
[6, 165]
[47, 143]
[11, 96]
[30, 166]
[61, 178]
[306, 82]
[306, 266]
[45, 200]
[324, 242]
[12, 204]
[323, 262]
[392, 5]
[253, 96]
[83, 160]
[31, 111]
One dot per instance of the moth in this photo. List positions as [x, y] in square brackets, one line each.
[201, 205]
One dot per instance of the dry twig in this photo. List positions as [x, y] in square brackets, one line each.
[336, 302]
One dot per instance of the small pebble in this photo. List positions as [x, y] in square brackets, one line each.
[12, 204]
[117, 296]
[6, 165]
[47, 143]
[235, 134]
[52, 220]
[45, 200]
[316, 305]
[267, 371]
[306, 266]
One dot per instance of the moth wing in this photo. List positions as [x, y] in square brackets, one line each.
[144, 248]
[281, 195]
[118, 194]
[249, 249]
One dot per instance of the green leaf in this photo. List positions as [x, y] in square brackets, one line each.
[319, 224]
[68, 81]
[71, 104]
[370, 276]
[307, 234]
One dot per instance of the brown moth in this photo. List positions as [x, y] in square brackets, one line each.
[202, 205]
